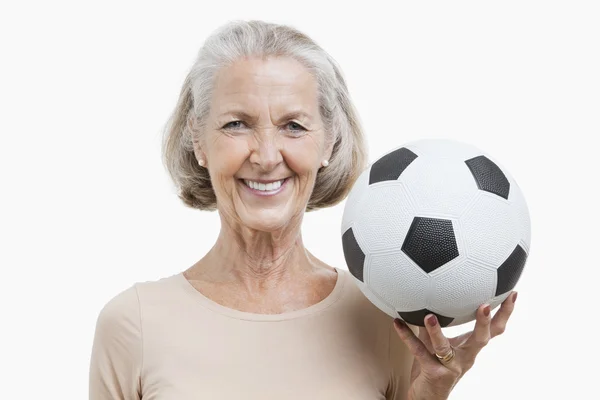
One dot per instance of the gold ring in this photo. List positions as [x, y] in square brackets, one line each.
[448, 357]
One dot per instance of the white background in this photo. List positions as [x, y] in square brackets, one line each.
[87, 209]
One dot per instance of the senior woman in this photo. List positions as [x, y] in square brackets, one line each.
[265, 130]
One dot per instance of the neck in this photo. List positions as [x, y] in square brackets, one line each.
[258, 260]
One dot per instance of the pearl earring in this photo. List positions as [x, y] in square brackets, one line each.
[325, 163]
[201, 162]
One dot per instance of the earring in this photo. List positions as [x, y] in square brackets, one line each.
[201, 162]
[325, 163]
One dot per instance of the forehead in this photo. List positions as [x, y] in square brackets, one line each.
[252, 81]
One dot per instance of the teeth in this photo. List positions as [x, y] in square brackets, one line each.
[262, 186]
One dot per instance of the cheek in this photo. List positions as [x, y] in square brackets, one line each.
[227, 157]
[302, 156]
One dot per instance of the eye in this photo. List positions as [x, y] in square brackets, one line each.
[295, 127]
[233, 125]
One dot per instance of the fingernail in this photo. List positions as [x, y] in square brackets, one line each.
[515, 297]
[486, 310]
[431, 320]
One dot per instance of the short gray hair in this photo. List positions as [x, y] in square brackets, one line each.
[243, 39]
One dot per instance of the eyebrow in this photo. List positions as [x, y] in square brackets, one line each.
[296, 114]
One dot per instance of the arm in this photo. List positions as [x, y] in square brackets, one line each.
[401, 361]
[116, 358]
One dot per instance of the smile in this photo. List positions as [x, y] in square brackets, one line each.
[264, 188]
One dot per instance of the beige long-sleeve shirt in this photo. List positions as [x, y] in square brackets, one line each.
[164, 340]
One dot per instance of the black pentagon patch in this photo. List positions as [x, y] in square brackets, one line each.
[418, 317]
[489, 176]
[510, 270]
[390, 166]
[355, 258]
[430, 242]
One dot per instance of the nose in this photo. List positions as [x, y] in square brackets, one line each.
[266, 150]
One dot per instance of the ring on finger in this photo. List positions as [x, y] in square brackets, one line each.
[446, 358]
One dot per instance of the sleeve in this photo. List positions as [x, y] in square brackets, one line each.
[116, 358]
[401, 360]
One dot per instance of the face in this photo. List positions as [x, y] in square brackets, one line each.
[264, 141]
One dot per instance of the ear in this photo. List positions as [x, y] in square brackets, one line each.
[328, 149]
[198, 152]
[197, 144]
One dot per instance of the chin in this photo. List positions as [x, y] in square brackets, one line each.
[270, 221]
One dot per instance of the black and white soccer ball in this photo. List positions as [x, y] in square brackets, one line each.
[435, 226]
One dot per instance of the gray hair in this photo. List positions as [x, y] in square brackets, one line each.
[242, 39]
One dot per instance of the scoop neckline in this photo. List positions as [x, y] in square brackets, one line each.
[249, 316]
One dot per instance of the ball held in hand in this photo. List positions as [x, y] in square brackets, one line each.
[435, 226]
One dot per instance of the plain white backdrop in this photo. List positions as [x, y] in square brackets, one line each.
[87, 209]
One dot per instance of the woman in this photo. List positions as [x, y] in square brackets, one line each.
[265, 129]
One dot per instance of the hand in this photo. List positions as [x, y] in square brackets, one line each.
[430, 378]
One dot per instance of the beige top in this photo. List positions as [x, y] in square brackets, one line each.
[164, 340]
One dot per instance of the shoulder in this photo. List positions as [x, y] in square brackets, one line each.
[119, 329]
[123, 312]
[363, 305]
[116, 359]
[373, 306]
[377, 319]
[120, 314]
[365, 299]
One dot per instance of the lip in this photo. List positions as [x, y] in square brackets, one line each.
[265, 181]
[261, 193]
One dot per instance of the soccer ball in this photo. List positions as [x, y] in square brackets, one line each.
[435, 226]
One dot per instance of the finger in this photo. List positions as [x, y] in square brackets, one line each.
[503, 314]
[414, 344]
[439, 342]
[481, 333]
[459, 340]
[424, 336]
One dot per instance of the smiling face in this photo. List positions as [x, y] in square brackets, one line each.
[264, 141]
